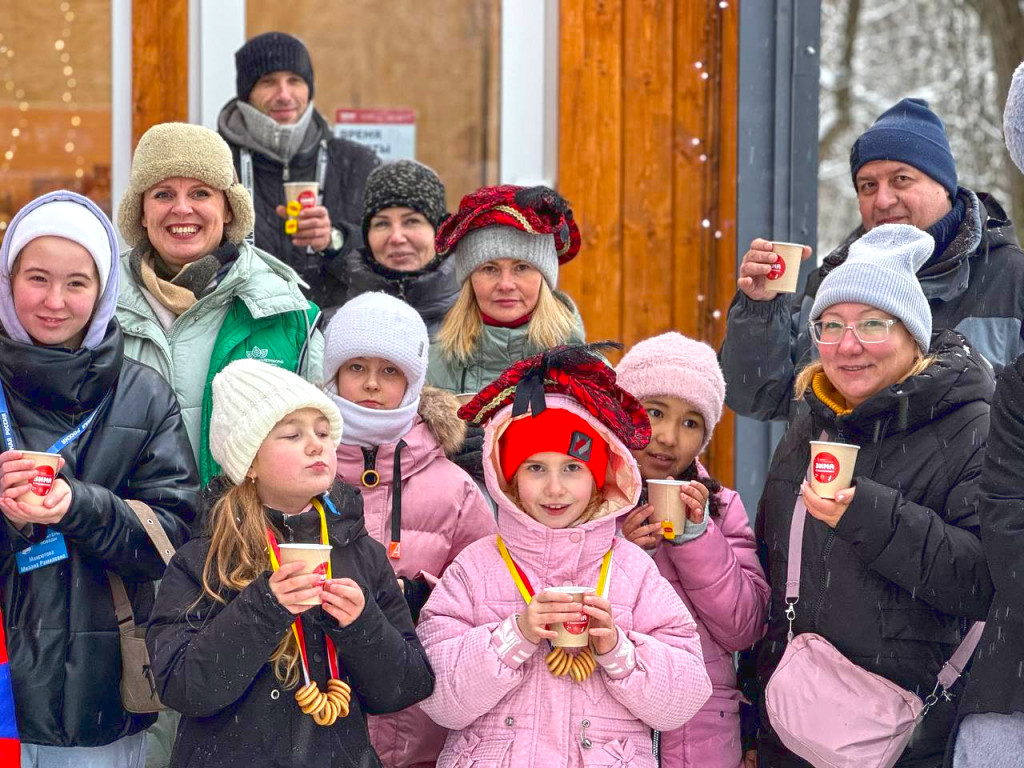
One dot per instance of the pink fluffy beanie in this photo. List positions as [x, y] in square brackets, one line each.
[671, 365]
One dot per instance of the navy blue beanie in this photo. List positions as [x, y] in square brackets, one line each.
[271, 52]
[908, 133]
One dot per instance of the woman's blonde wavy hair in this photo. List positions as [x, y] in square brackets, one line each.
[551, 324]
[238, 556]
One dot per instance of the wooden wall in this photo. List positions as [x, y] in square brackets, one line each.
[159, 64]
[647, 156]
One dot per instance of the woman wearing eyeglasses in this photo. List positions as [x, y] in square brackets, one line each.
[892, 569]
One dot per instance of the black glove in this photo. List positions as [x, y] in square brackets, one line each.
[471, 455]
[416, 592]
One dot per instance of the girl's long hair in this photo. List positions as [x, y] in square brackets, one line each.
[551, 324]
[238, 556]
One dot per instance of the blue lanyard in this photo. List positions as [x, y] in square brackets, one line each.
[7, 431]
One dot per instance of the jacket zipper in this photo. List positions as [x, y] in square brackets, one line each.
[824, 575]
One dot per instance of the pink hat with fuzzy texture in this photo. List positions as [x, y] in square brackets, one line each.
[673, 365]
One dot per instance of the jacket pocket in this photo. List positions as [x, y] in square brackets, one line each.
[471, 751]
[617, 753]
[923, 625]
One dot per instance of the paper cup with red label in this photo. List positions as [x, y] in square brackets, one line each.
[669, 509]
[46, 474]
[315, 557]
[572, 634]
[832, 467]
[302, 192]
[786, 269]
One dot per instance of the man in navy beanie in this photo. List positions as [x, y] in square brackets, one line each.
[904, 173]
[277, 135]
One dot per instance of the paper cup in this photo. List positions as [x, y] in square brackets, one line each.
[786, 270]
[832, 467]
[663, 495]
[572, 634]
[465, 397]
[302, 192]
[46, 473]
[315, 557]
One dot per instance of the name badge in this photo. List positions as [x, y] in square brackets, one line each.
[50, 550]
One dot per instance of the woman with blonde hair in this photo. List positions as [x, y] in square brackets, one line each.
[508, 243]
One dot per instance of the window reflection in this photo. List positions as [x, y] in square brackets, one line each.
[54, 101]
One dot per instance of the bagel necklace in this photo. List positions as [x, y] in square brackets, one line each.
[324, 708]
[578, 666]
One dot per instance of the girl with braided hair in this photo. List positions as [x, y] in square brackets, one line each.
[557, 462]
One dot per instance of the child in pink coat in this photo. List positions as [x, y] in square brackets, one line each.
[557, 463]
[417, 503]
[712, 564]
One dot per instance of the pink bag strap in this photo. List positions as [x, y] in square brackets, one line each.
[950, 671]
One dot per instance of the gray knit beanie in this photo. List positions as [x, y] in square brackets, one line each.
[1013, 118]
[881, 271]
[498, 242]
[404, 184]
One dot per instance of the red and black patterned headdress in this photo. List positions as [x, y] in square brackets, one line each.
[536, 210]
[576, 371]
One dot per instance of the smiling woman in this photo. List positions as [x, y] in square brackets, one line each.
[192, 286]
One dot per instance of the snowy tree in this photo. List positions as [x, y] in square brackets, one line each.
[959, 55]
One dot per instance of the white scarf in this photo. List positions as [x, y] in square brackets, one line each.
[370, 427]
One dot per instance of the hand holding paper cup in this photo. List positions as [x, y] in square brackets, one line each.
[785, 272]
[669, 509]
[46, 467]
[572, 634]
[315, 558]
[831, 468]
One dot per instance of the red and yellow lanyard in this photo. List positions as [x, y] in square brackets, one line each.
[523, 583]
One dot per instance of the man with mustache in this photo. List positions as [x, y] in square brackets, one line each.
[277, 135]
[904, 173]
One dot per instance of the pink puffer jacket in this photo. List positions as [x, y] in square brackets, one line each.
[493, 688]
[443, 511]
[720, 580]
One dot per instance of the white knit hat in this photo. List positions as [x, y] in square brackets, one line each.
[379, 325]
[881, 271]
[249, 398]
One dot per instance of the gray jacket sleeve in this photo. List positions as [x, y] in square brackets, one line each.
[766, 342]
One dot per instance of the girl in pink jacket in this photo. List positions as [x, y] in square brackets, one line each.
[712, 563]
[417, 503]
[557, 463]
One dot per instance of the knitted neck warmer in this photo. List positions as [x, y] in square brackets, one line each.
[829, 395]
[178, 290]
[278, 142]
[369, 427]
[488, 320]
[945, 230]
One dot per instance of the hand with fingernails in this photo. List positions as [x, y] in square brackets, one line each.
[828, 511]
[603, 632]
[343, 599]
[754, 269]
[646, 535]
[292, 588]
[16, 474]
[547, 608]
[314, 227]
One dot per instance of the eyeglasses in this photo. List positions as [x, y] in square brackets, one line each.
[872, 330]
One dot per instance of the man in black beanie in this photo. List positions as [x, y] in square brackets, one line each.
[904, 172]
[277, 135]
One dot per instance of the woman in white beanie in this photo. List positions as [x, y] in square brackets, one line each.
[508, 244]
[892, 571]
[417, 503]
[195, 295]
[270, 664]
[67, 388]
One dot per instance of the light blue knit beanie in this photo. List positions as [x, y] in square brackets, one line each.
[881, 271]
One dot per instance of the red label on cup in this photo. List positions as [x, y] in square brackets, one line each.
[43, 481]
[825, 467]
[307, 199]
[778, 269]
[577, 627]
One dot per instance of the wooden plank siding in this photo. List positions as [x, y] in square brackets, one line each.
[647, 156]
[159, 63]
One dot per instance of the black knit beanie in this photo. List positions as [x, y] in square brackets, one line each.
[405, 184]
[271, 52]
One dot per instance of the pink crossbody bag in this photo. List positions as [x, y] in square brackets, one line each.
[833, 713]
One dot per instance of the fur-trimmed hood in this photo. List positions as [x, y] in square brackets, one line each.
[439, 411]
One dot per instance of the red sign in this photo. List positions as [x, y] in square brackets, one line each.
[43, 481]
[577, 627]
[778, 269]
[307, 198]
[825, 467]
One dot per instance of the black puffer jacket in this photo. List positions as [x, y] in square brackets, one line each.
[431, 291]
[348, 166]
[211, 662]
[975, 287]
[996, 683]
[62, 635]
[896, 583]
